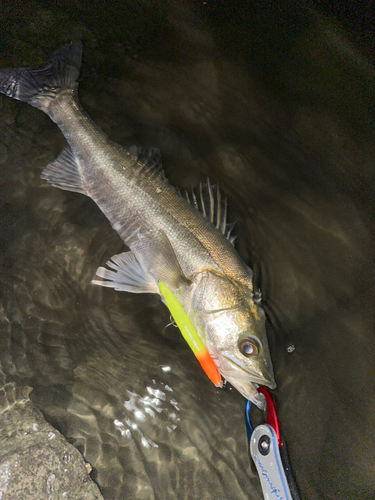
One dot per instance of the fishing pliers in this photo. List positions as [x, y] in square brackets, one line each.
[268, 451]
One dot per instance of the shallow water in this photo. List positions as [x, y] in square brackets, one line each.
[283, 119]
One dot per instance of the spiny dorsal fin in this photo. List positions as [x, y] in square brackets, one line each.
[213, 207]
[149, 157]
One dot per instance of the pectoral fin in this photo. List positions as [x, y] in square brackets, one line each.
[128, 275]
[163, 263]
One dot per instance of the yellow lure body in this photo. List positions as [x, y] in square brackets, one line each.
[190, 335]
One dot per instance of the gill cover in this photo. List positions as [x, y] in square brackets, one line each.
[233, 329]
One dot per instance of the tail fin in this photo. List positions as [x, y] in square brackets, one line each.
[39, 86]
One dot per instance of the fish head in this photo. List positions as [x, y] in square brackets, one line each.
[232, 327]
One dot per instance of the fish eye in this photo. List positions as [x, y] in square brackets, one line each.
[248, 347]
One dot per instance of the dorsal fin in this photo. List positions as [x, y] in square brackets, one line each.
[213, 207]
[149, 157]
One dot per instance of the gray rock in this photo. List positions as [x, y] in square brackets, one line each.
[36, 461]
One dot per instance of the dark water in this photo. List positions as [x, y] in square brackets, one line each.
[278, 106]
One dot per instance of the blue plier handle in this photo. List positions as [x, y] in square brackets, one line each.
[268, 452]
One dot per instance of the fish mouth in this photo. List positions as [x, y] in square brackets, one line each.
[246, 382]
[265, 377]
[271, 384]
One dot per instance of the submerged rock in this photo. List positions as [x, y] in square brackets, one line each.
[36, 461]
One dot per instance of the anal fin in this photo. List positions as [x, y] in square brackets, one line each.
[128, 275]
[64, 173]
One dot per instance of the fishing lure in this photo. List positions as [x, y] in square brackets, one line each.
[190, 335]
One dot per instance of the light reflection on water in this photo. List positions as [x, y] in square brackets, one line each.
[141, 409]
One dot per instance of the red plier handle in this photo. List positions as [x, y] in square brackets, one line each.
[272, 463]
[271, 419]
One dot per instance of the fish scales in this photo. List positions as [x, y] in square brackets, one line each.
[130, 193]
[170, 240]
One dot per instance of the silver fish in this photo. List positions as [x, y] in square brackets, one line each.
[185, 243]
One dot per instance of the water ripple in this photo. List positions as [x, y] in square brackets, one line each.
[141, 410]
